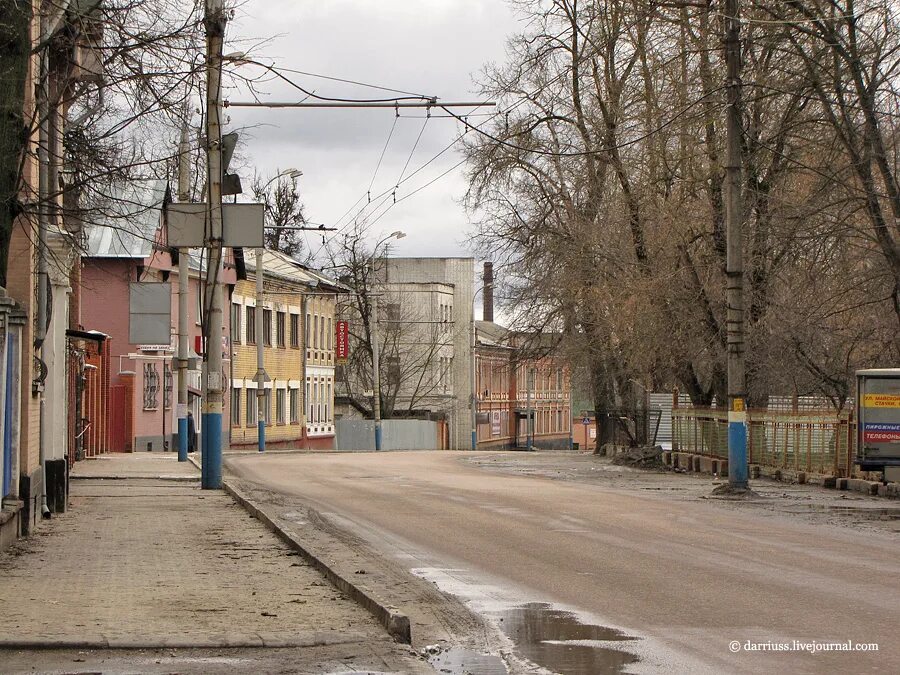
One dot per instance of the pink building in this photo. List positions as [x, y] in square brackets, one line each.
[143, 379]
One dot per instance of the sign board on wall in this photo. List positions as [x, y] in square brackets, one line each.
[495, 423]
[341, 342]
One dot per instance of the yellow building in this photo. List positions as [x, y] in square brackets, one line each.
[298, 354]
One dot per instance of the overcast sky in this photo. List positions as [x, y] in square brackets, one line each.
[432, 47]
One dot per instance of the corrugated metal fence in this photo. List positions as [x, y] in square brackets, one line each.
[395, 435]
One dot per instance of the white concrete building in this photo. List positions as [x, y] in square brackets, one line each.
[441, 292]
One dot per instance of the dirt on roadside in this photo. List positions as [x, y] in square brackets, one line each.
[809, 503]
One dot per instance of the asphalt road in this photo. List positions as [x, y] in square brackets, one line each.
[690, 578]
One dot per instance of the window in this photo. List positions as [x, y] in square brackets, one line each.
[267, 327]
[392, 364]
[167, 385]
[327, 402]
[251, 407]
[308, 344]
[330, 335]
[315, 331]
[280, 395]
[279, 328]
[322, 343]
[559, 379]
[267, 407]
[235, 323]
[235, 407]
[151, 386]
[295, 406]
[392, 310]
[295, 330]
[308, 403]
[251, 325]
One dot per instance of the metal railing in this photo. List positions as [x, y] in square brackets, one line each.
[813, 441]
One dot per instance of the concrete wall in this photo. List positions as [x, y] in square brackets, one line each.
[460, 272]
[396, 435]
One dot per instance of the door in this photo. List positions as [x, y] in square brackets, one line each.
[118, 433]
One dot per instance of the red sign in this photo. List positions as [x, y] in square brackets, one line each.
[341, 342]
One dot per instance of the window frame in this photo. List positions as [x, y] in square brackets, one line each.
[280, 406]
[267, 327]
[250, 407]
[236, 313]
[280, 329]
[294, 329]
[236, 407]
[294, 405]
[251, 325]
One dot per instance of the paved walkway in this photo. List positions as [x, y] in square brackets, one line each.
[144, 559]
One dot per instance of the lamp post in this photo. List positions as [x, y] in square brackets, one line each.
[373, 330]
[261, 376]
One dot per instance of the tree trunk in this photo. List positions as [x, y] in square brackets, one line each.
[15, 52]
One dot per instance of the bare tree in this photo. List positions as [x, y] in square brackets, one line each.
[415, 337]
[284, 210]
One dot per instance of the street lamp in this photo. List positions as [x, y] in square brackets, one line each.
[373, 329]
[261, 376]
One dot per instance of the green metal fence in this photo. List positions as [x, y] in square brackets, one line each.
[812, 441]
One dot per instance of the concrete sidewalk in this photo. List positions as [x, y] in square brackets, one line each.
[145, 560]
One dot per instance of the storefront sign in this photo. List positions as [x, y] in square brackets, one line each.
[341, 342]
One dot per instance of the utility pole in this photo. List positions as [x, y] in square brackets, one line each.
[211, 474]
[184, 195]
[734, 265]
[376, 368]
[261, 375]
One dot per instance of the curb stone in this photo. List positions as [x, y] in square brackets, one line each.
[396, 623]
[316, 639]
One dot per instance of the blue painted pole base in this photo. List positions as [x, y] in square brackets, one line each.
[211, 476]
[377, 437]
[738, 472]
[204, 439]
[261, 435]
[182, 439]
[474, 440]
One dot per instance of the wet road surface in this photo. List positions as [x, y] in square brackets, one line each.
[655, 583]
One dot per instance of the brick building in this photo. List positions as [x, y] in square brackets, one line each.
[517, 376]
[129, 246]
[298, 308]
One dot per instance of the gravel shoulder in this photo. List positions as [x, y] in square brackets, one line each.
[806, 503]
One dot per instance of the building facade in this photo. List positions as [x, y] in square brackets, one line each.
[298, 307]
[130, 247]
[518, 379]
[424, 329]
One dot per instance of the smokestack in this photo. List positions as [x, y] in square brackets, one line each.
[488, 303]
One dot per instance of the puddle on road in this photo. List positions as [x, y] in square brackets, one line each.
[558, 641]
[459, 661]
[548, 637]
